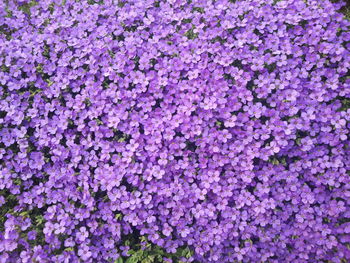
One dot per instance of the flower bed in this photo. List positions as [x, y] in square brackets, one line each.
[151, 131]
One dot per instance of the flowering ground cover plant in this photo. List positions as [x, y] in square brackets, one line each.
[174, 131]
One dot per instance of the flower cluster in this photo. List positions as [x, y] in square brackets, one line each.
[222, 126]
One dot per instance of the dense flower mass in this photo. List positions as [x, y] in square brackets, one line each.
[220, 126]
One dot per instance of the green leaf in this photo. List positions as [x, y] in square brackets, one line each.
[143, 239]
[39, 220]
[190, 34]
[118, 216]
[17, 181]
[186, 253]
[131, 259]
[198, 9]
[24, 214]
[149, 259]
[87, 102]
[49, 83]
[119, 260]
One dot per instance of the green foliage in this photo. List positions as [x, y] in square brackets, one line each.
[91, 2]
[190, 34]
[143, 251]
[347, 13]
[198, 9]
[7, 208]
[5, 69]
[26, 7]
[345, 104]
[87, 102]
[276, 1]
